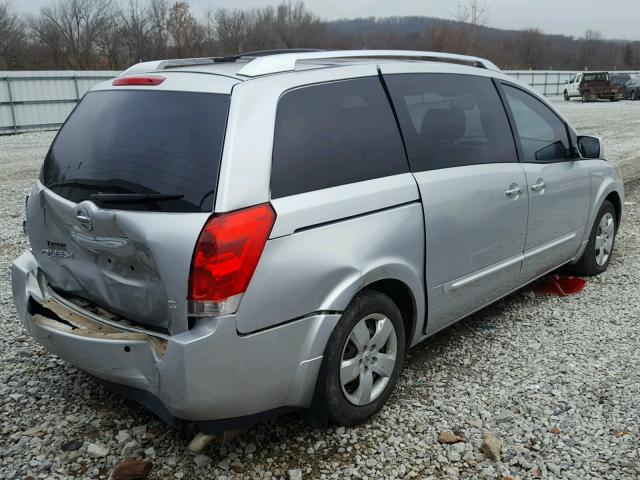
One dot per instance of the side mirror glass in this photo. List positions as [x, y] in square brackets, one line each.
[590, 147]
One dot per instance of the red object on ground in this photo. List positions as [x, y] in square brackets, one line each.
[555, 284]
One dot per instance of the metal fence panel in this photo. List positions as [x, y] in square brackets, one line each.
[35, 100]
[552, 82]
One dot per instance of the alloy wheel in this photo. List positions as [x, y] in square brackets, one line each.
[368, 359]
[604, 238]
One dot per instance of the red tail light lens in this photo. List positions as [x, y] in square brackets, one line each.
[145, 81]
[225, 258]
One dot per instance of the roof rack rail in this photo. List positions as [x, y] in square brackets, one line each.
[286, 62]
[190, 62]
[264, 53]
[163, 64]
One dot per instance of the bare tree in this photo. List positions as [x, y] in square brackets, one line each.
[474, 12]
[209, 31]
[590, 48]
[289, 25]
[111, 44]
[11, 37]
[296, 26]
[628, 56]
[532, 48]
[232, 27]
[72, 29]
[187, 34]
[473, 15]
[446, 38]
[158, 13]
[136, 32]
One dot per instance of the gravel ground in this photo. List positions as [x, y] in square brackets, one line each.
[554, 379]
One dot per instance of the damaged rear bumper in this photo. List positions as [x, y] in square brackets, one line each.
[209, 375]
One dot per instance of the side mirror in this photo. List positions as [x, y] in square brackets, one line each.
[591, 147]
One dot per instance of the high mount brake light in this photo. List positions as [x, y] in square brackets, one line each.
[226, 255]
[140, 81]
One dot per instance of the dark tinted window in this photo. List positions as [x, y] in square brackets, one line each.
[451, 120]
[590, 77]
[141, 142]
[543, 136]
[333, 134]
[619, 79]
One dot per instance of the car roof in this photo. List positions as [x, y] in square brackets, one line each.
[245, 66]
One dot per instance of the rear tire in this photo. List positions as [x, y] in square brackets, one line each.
[634, 95]
[567, 98]
[586, 97]
[363, 358]
[597, 254]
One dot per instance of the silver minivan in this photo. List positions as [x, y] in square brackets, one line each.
[226, 239]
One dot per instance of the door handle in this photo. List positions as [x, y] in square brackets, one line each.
[539, 186]
[514, 190]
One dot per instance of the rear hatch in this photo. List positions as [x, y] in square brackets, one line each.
[124, 192]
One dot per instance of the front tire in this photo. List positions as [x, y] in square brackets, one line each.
[364, 358]
[597, 254]
[634, 96]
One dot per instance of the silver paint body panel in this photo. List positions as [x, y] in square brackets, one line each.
[475, 236]
[452, 237]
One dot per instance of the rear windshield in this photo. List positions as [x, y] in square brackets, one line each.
[590, 77]
[139, 142]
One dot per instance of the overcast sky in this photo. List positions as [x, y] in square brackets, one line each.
[615, 19]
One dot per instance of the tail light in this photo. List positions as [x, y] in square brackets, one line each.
[225, 257]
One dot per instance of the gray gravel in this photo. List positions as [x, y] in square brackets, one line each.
[548, 384]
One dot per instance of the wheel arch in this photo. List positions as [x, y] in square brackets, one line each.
[616, 201]
[412, 306]
[611, 190]
[401, 295]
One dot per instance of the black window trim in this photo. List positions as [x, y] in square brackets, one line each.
[387, 93]
[497, 83]
[573, 149]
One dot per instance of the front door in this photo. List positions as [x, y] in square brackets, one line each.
[559, 187]
[473, 191]
[574, 86]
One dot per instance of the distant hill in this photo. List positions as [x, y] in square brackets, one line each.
[521, 49]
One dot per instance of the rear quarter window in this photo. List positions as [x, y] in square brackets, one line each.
[141, 142]
[334, 134]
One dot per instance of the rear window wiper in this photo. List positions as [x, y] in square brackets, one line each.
[132, 197]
